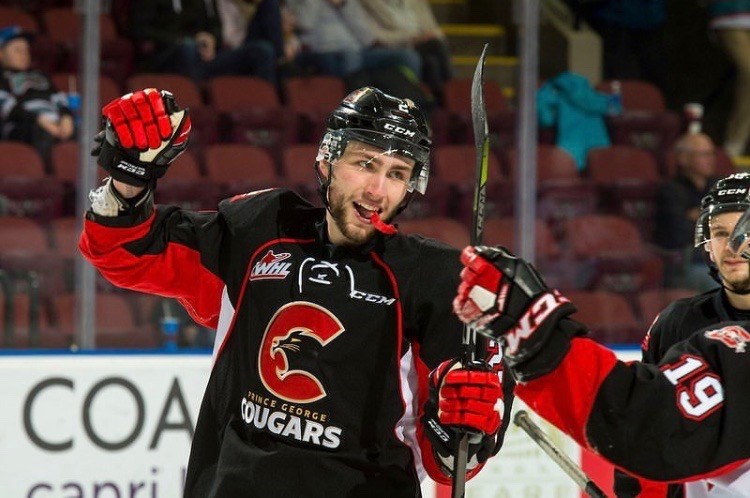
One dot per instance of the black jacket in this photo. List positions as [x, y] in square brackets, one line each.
[24, 95]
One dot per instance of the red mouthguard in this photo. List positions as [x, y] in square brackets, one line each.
[381, 226]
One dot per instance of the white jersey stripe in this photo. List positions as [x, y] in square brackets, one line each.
[406, 427]
[226, 314]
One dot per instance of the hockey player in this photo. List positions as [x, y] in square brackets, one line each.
[719, 211]
[328, 322]
[684, 419]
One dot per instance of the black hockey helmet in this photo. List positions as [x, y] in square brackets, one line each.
[371, 116]
[729, 194]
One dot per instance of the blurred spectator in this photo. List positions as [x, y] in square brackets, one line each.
[292, 43]
[632, 34]
[569, 103]
[677, 208]
[411, 24]
[254, 20]
[189, 334]
[731, 20]
[184, 36]
[32, 110]
[337, 39]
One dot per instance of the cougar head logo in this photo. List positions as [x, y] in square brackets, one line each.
[287, 361]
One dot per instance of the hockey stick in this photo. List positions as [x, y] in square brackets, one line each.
[482, 143]
[523, 421]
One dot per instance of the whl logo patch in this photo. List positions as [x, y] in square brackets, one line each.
[271, 267]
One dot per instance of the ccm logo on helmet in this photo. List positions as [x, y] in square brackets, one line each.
[399, 129]
[731, 191]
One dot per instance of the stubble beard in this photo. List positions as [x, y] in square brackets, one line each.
[737, 283]
[338, 206]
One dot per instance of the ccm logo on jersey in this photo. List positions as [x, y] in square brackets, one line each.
[535, 315]
[270, 267]
[733, 336]
[399, 130]
[371, 298]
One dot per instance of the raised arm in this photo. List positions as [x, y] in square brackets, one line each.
[165, 250]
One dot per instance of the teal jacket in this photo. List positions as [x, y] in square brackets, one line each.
[632, 14]
[721, 8]
[568, 102]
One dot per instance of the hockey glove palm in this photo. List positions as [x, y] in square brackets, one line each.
[507, 300]
[462, 399]
[144, 132]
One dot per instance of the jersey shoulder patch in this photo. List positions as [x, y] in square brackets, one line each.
[732, 336]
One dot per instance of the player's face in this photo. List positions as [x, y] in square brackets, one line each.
[733, 268]
[366, 179]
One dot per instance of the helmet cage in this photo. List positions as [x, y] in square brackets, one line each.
[334, 144]
[702, 225]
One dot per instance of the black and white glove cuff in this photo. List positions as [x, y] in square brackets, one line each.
[107, 202]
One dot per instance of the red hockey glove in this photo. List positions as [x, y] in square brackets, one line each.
[467, 397]
[144, 132]
[507, 300]
[462, 399]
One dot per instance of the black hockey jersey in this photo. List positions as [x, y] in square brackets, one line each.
[675, 323]
[683, 420]
[683, 318]
[322, 351]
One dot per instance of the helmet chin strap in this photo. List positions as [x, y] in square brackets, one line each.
[741, 293]
[714, 272]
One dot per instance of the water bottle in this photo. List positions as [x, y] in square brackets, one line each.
[170, 326]
[74, 104]
[615, 99]
[74, 100]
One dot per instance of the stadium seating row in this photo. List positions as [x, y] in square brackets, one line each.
[619, 180]
[597, 251]
[644, 124]
[57, 41]
[226, 106]
[123, 319]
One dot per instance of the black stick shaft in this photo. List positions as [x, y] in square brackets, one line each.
[470, 344]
